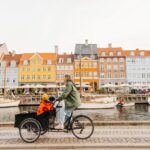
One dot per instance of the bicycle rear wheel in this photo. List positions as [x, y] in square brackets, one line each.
[82, 127]
[29, 130]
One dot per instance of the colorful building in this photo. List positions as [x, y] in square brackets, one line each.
[9, 70]
[65, 65]
[37, 68]
[112, 65]
[138, 66]
[86, 64]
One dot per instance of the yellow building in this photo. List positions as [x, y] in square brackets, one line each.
[37, 68]
[89, 71]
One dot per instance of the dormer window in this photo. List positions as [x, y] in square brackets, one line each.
[68, 60]
[118, 53]
[131, 53]
[111, 54]
[142, 53]
[49, 62]
[61, 60]
[25, 62]
[103, 53]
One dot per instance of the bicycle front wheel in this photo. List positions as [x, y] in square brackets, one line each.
[82, 127]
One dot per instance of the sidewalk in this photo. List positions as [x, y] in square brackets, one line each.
[104, 136]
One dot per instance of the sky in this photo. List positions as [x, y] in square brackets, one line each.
[38, 25]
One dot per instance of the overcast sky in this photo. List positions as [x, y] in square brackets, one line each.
[38, 25]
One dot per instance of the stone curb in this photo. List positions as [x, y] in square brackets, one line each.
[97, 123]
[73, 146]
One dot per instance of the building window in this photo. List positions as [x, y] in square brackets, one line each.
[142, 53]
[13, 63]
[23, 69]
[60, 60]
[110, 53]
[109, 67]
[121, 67]
[131, 53]
[33, 77]
[119, 53]
[109, 75]
[115, 67]
[77, 74]
[49, 62]
[90, 74]
[49, 68]
[101, 59]
[102, 75]
[38, 69]
[25, 62]
[108, 59]
[22, 77]
[143, 75]
[121, 59]
[44, 77]
[38, 77]
[102, 67]
[115, 59]
[44, 69]
[49, 77]
[95, 65]
[103, 54]
[28, 69]
[68, 60]
[95, 74]
[28, 77]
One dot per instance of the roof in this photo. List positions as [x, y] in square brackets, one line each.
[10, 57]
[65, 56]
[136, 52]
[45, 56]
[86, 49]
[110, 49]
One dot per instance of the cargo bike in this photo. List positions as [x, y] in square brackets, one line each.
[31, 126]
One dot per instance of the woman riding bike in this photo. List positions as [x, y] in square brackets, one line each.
[72, 101]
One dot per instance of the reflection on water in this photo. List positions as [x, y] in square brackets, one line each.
[137, 112]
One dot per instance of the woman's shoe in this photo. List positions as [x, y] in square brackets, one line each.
[60, 127]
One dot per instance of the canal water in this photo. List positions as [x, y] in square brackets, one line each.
[137, 112]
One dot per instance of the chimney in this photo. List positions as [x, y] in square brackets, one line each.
[86, 42]
[109, 45]
[56, 49]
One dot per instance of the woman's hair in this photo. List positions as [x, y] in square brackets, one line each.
[68, 77]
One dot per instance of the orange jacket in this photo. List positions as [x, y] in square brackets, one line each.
[44, 107]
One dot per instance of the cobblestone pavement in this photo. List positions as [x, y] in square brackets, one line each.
[110, 135]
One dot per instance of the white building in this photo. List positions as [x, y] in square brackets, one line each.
[9, 70]
[138, 67]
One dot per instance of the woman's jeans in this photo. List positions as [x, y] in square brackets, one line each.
[62, 114]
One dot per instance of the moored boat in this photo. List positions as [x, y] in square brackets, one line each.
[97, 105]
[9, 103]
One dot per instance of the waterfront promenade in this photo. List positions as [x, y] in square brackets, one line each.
[115, 137]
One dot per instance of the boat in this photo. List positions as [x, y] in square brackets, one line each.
[9, 103]
[97, 105]
[129, 104]
[126, 104]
